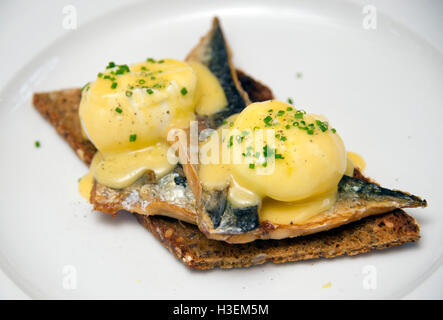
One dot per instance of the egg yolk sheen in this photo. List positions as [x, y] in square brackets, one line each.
[310, 159]
[127, 112]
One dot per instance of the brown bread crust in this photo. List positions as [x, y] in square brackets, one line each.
[194, 250]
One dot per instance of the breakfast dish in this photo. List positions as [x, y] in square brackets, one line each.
[212, 214]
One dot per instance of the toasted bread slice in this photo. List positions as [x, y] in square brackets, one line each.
[196, 251]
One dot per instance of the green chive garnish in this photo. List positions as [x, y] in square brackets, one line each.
[118, 110]
[110, 65]
[184, 91]
[132, 137]
[37, 144]
[114, 85]
[149, 91]
[251, 166]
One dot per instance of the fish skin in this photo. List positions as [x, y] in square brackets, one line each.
[353, 194]
[214, 53]
[350, 187]
[225, 217]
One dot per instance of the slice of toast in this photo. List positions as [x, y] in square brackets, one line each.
[191, 247]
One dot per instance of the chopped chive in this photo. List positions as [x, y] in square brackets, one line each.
[298, 114]
[290, 102]
[118, 110]
[333, 130]
[224, 122]
[265, 164]
[184, 91]
[270, 110]
[37, 144]
[280, 113]
[149, 91]
[231, 141]
[114, 85]
[161, 61]
[128, 93]
[251, 166]
[144, 68]
[283, 138]
[132, 137]
[100, 75]
[150, 60]
[141, 81]
[289, 108]
[110, 65]
[231, 124]
[288, 126]
[267, 119]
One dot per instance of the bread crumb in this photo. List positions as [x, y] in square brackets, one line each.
[169, 233]
[327, 285]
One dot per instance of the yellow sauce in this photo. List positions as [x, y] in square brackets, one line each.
[118, 170]
[210, 95]
[127, 115]
[85, 185]
[287, 213]
[357, 160]
[310, 164]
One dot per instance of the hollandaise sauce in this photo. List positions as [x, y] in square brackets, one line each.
[128, 110]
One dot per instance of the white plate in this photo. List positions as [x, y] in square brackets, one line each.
[381, 88]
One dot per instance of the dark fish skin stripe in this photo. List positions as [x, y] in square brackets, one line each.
[247, 218]
[215, 205]
[225, 217]
[218, 63]
[357, 188]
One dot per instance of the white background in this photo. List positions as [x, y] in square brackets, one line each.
[28, 27]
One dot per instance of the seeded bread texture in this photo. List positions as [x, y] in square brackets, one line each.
[195, 251]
